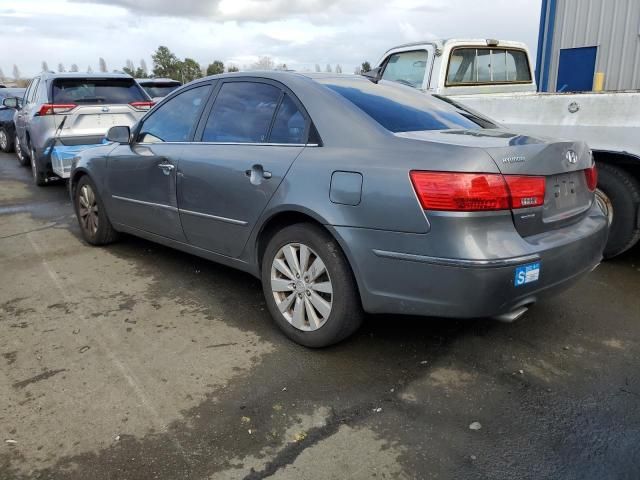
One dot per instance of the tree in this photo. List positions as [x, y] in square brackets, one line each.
[318, 69]
[338, 68]
[263, 63]
[140, 73]
[16, 72]
[89, 69]
[190, 70]
[366, 66]
[130, 68]
[143, 69]
[61, 68]
[215, 68]
[232, 68]
[328, 68]
[44, 66]
[2, 77]
[74, 68]
[165, 63]
[103, 65]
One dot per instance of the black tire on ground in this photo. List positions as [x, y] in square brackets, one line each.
[346, 311]
[623, 191]
[6, 142]
[105, 233]
[39, 176]
[23, 159]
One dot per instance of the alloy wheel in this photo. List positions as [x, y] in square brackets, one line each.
[19, 152]
[301, 287]
[4, 141]
[88, 210]
[604, 202]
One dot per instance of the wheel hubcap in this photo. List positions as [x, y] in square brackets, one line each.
[3, 140]
[301, 287]
[604, 202]
[88, 210]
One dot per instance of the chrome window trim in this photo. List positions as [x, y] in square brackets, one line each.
[214, 217]
[231, 143]
[148, 204]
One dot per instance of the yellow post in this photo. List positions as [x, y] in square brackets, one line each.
[598, 82]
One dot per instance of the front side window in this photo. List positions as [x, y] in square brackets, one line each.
[468, 66]
[174, 119]
[407, 67]
[242, 113]
[401, 109]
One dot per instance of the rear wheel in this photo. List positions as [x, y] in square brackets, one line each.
[94, 223]
[6, 143]
[39, 177]
[309, 287]
[618, 195]
[22, 158]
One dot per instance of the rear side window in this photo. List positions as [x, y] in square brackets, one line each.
[402, 109]
[242, 113]
[407, 68]
[468, 66]
[92, 91]
[174, 120]
[289, 124]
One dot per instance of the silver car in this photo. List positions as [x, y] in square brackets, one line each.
[344, 195]
[72, 109]
[158, 88]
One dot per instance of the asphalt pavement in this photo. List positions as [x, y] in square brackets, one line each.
[135, 361]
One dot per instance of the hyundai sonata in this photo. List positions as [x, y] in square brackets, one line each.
[347, 196]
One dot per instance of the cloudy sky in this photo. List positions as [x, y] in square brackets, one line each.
[299, 33]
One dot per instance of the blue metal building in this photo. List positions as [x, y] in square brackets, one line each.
[581, 37]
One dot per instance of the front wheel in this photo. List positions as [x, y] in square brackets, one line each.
[6, 143]
[309, 287]
[618, 195]
[94, 223]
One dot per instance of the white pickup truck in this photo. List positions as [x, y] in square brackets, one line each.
[495, 78]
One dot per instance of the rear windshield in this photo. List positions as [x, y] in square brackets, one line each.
[91, 91]
[160, 89]
[402, 109]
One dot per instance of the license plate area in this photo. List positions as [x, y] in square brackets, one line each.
[563, 190]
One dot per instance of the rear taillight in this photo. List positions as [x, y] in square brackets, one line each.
[53, 108]
[526, 191]
[469, 192]
[591, 175]
[142, 105]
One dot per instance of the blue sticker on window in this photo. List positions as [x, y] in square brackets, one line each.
[527, 274]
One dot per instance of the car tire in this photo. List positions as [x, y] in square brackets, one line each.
[92, 217]
[619, 192]
[316, 306]
[22, 158]
[39, 177]
[6, 142]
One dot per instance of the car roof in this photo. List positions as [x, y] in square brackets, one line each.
[93, 75]
[159, 80]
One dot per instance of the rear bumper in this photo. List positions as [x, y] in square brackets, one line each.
[393, 281]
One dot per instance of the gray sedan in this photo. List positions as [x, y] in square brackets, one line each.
[347, 196]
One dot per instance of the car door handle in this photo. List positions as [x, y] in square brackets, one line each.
[257, 171]
[166, 167]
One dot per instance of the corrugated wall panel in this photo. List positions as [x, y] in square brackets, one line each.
[611, 25]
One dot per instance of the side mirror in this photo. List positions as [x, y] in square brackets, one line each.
[375, 74]
[119, 134]
[11, 102]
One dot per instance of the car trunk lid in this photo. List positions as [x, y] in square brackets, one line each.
[561, 163]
